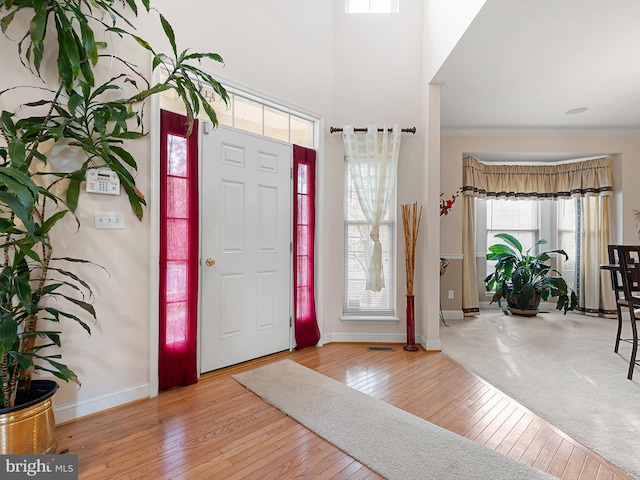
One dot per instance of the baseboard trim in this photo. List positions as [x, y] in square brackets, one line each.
[348, 337]
[453, 314]
[66, 412]
[431, 345]
[364, 337]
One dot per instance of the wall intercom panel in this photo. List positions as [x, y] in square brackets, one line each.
[103, 180]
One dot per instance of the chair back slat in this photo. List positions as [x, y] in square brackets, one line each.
[616, 275]
[629, 260]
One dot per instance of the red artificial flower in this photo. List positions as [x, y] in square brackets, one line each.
[447, 205]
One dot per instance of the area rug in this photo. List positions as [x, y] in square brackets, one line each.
[563, 369]
[390, 441]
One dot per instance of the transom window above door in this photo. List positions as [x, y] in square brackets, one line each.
[255, 114]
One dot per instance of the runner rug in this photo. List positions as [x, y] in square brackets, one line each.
[390, 441]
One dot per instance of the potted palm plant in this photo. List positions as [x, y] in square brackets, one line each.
[63, 44]
[524, 278]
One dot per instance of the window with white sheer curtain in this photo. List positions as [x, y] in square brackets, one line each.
[372, 162]
[372, 157]
[357, 300]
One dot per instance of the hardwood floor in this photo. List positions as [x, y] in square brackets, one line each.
[217, 429]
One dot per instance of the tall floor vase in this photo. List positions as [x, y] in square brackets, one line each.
[411, 325]
[411, 222]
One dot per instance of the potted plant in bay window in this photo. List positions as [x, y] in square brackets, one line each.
[524, 278]
[97, 116]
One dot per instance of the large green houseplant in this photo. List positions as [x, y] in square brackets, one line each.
[63, 43]
[523, 278]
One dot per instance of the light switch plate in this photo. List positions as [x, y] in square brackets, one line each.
[109, 220]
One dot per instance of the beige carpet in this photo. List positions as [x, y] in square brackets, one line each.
[562, 368]
[394, 443]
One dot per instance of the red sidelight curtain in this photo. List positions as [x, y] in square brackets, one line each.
[178, 252]
[306, 325]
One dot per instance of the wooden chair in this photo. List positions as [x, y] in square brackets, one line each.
[616, 285]
[629, 261]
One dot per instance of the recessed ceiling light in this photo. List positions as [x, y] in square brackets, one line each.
[573, 111]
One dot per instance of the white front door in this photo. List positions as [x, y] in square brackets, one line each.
[245, 247]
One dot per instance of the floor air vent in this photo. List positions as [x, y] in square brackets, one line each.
[380, 349]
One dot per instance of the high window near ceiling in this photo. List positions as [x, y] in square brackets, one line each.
[372, 6]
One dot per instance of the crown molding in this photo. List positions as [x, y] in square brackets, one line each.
[546, 132]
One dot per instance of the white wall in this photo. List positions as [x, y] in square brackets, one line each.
[445, 21]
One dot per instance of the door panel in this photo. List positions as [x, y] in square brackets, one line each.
[246, 230]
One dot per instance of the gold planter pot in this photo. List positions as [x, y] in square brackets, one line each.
[29, 428]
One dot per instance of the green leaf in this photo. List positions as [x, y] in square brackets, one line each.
[29, 252]
[50, 222]
[6, 225]
[8, 334]
[511, 240]
[123, 173]
[7, 123]
[68, 51]
[20, 184]
[501, 249]
[168, 31]
[72, 194]
[89, 42]
[17, 152]
[141, 41]
[75, 100]
[58, 313]
[197, 56]
[23, 212]
[133, 5]
[6, 21]
[65, 372]
[37, 30]
[87, 72]
[64, 65]
[37, 103]
[82, 304]
[23, 291]
[108, 85]
[125, 156]
[134, 199]
[25, 362]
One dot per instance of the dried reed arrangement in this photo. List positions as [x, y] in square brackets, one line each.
[411, 222]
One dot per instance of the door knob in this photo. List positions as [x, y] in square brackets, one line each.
[210, 262]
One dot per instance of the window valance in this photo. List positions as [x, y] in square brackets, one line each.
[579, 179]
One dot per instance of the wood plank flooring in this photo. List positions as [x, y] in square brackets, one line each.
[217, 429]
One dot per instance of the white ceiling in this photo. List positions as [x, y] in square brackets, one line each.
[523, 63]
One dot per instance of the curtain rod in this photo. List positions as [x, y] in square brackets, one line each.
[404, 130]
